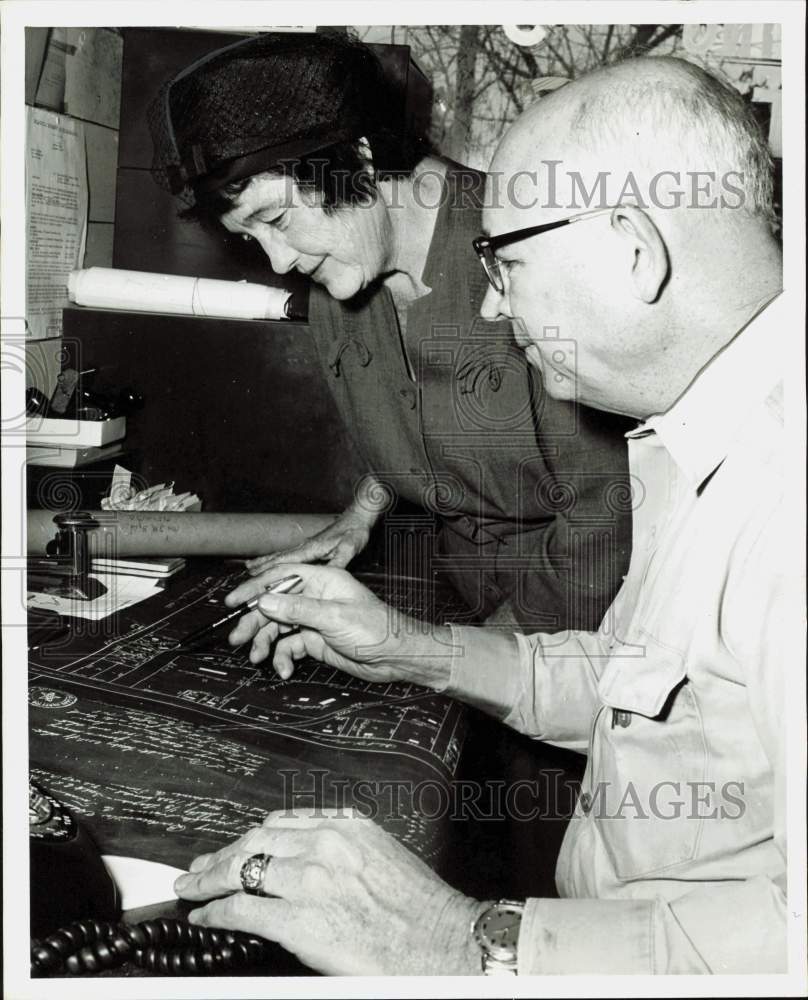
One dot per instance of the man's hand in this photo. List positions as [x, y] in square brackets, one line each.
[350, 900]
[339, 622]
[336, 545]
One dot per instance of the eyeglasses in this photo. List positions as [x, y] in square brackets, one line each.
[485, 246]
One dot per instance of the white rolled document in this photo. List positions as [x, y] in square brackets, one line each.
[113, 288]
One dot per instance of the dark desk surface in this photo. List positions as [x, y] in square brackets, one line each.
[164, 758]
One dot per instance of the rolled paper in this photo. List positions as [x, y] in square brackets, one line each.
[163, 533]
[115, 288]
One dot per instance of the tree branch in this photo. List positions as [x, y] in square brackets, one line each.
[464, 92]
[608, 42]
[645, 40]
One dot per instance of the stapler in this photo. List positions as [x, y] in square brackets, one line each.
[65, 571]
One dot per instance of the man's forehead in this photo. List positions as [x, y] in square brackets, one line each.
[515, 194]
[524, 172]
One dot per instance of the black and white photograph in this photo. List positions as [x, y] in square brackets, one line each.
[403, 467]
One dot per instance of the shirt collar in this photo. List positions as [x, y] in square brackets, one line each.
[702, 424]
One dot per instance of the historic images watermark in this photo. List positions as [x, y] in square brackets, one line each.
[550, 796]
[554, 187]
[550, 186]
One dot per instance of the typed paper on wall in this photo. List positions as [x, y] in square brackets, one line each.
[56, 201]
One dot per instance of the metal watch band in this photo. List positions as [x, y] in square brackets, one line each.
[494, 967]
[502, 959]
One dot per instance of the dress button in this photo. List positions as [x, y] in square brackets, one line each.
[585, 802]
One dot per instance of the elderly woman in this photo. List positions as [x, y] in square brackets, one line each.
[286, 139]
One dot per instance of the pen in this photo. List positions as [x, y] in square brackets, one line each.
[282, 586]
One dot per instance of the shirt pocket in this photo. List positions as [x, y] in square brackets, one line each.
[650, 760]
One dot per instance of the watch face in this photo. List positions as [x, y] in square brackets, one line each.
[499, 930]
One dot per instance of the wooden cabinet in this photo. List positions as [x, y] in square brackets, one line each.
[236, 411]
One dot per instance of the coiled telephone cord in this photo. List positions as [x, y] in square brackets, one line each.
[164, 946]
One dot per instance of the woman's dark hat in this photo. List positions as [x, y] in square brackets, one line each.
[245, 108]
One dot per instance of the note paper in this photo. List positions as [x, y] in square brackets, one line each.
[56, 196]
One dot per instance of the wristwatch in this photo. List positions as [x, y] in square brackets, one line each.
[496, 932]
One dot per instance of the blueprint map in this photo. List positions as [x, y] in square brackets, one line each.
[165, 752]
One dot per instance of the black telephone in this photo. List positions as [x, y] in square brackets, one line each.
[69, 880]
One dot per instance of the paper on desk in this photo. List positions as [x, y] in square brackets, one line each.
[120, 487]
[139, 882]
[122, 592]
[56, 198]
[123, 496]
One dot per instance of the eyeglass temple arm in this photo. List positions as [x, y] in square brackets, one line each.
[495, 242]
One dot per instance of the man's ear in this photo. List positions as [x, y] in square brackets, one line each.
[367, 154]
[651, 265]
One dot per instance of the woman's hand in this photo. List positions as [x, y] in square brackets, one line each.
[348, 898]
[336, 545]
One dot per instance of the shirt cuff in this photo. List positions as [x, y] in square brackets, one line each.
[485, 669]
[580, 936]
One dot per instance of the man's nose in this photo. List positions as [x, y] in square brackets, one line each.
[495, 304]
[281, 256]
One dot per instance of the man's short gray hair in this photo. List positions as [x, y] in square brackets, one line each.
[663, 111]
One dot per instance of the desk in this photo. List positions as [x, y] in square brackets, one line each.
[164, 758]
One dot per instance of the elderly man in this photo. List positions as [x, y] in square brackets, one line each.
[675, 859]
